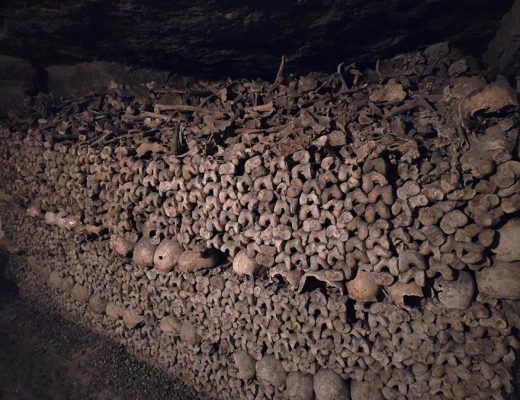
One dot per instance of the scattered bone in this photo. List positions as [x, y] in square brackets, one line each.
[392, 92]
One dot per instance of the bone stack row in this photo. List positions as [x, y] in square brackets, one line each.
[373, 256]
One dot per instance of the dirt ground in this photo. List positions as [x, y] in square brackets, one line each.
[43, 356]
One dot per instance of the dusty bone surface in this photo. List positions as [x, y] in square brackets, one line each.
[354, 227]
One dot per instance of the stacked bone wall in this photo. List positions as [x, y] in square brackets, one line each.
[349, 232]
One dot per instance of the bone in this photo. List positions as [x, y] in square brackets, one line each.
[167, 255]
[55, 280]
[114, 311]
[191, 261]
[143, 252]
[299, 386]
[364, 391]
[399, 291]
[97, 304]
[491, 98]
[189, 334]
[170, 326]
[328, 385]
[457, 293]
[453, 220]
[121, 246]
[131, 318]
[246, 365]
[332, 279]
[244, 265]
[501, 280]
[314, 197]
[363, 287]
[507, 248]
[270, 371]
[81, 293]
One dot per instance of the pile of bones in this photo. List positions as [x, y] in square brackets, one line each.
[329, 236]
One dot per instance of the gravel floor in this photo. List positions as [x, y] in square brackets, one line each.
[43, 356]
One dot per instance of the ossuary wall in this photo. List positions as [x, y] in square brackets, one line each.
[332, 236]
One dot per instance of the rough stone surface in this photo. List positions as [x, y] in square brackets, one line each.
[16, 79]
[504, 49]
[243, 38]
[95, 77]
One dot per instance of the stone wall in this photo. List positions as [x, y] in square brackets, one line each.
[239, 38]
